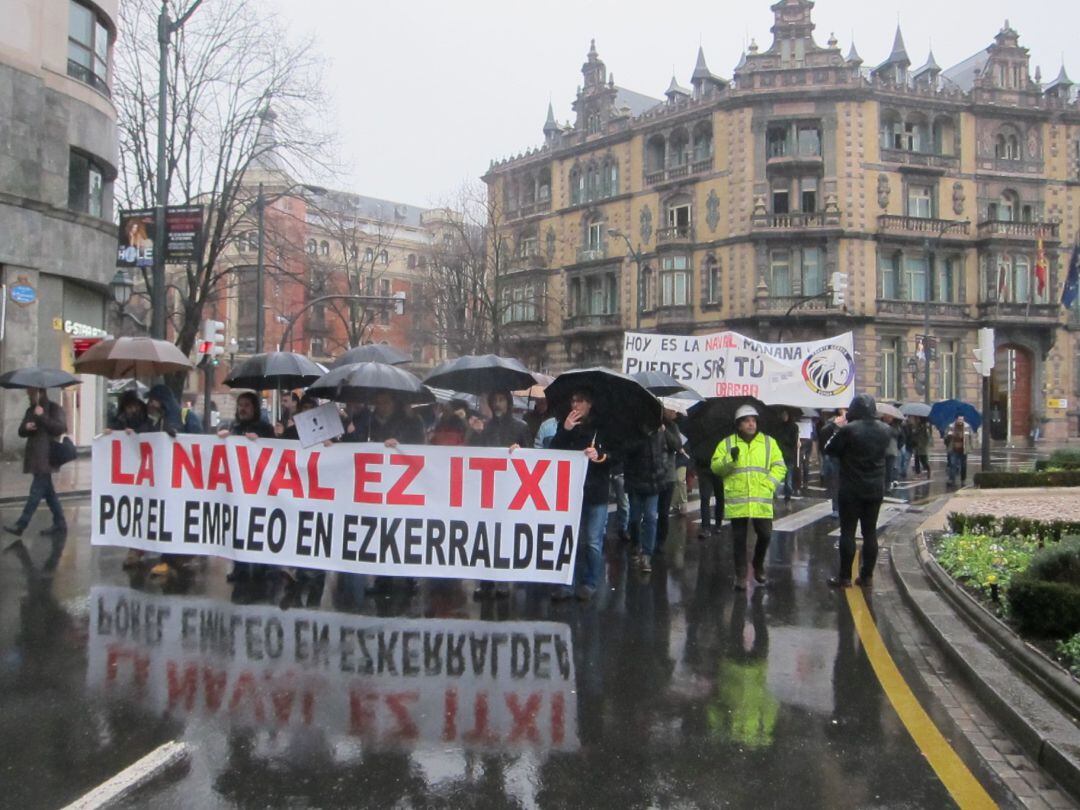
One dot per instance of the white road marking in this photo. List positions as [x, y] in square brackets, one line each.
[886, 516]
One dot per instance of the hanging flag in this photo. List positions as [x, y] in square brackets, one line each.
[1040, 270]
[1072, 279]
[1003, 279]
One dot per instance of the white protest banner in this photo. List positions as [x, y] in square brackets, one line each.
[393, 683]
[814, 374]
[456, 512]
[318, 425]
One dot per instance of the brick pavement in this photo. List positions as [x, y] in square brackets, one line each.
[1058, 503]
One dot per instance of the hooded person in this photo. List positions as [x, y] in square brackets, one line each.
[503, 429]
[752, 467]
[859, 445]
[131, 414]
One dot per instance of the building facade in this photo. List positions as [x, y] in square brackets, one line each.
[58, 160]
[945, 200]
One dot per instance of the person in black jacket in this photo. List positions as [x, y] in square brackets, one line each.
[859, 445]
[503, 429]
[646, 472]
[787, 437]
[580, 431]
[43, 422]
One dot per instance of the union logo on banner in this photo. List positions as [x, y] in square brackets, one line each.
[829, 370]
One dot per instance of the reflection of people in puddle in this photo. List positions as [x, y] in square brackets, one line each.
[743, 710]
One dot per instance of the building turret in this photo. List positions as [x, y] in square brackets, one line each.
[895, 68]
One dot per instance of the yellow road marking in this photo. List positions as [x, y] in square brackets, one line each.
[951, 770]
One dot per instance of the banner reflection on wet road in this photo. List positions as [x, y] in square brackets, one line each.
[392, 683]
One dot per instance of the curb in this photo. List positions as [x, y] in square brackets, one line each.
[67, 495]
[1027, 696]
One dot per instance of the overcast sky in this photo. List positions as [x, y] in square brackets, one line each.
[426, 93]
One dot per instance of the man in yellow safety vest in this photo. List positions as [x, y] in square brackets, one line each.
[752, 467]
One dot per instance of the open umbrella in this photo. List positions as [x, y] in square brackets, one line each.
[372, 353]
[885, 409]
[358, 382]
[280, 370]
[132, 357]
[710, 421]
[481, 374]
[536, 391]
[37, 378]
[944, 413]
[659, 383]
[622, 405]
[915, 409]
[117, 387]
[444, 396]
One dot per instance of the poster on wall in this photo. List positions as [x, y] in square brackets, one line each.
[183, 236]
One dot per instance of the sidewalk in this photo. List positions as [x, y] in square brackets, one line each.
[73, 480]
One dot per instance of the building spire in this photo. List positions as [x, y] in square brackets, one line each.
[701, 70]
[551, 126]
[899, 52]
[853, 57]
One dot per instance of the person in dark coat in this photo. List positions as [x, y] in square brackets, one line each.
[581, 431]
[248, 420]
[787, 437]
[646, 471]
[503, 429]
[710, 486]
[305, 403]
[859, 445]
[130, 416]
[43, 422]
[673, 452]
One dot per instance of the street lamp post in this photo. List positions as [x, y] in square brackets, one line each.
[260, 270]
[166, 28]
[932, 249]
[636, 256]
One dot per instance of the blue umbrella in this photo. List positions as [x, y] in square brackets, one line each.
[944, 413]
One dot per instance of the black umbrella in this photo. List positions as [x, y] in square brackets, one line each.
[372, 353]
[481, 374]
[659, 383]
[280, 370]
[358, 382]
[37, 378]
[712, 420]
[623, 407]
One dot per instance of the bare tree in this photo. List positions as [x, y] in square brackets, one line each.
[241, 98]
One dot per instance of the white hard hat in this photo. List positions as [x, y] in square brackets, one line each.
[745, 410]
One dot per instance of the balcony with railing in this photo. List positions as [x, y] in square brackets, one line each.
[675, 234]
[804, 304]
[592, 253]
[917, 310]
[795, 221]
[928, 160]
[595, 323]
[1042, 314]
[674, 314]
[1006, 229]
[87, 76]
[679, 171]
[923, 226]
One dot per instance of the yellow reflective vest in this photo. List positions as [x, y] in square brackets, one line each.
[750, 482]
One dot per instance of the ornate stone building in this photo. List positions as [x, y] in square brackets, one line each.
[732, 204]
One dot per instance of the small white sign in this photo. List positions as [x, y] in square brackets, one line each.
[318, 425]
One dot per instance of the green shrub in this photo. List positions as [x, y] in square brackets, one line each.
[1045, 598]
[1044, 609]
[1065, 458]
[1069, 654]
[1046, 478]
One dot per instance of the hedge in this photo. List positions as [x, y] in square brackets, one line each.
[1044, 531]
[1045, 599]
[1044, 478]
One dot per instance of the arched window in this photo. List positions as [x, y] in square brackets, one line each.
[944, 136]
[543, 190]
[610, 179]
[1008, 206]
[655, 150]
[324, 248]
[411, 261]
[575, 186]
[384, 257]
[312, 247]
[678, 148]
[703, 142]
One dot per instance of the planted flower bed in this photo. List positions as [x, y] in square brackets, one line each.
[1025, 571]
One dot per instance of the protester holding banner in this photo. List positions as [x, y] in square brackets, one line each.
[580, 431]
[752, 467]
[131, 415]
[502, 430]
[859, 445]
[787, 438]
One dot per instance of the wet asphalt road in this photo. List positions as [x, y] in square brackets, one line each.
[667, 690]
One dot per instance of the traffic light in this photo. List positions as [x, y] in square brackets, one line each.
[838, 284]
[984, 355]
[213, 340]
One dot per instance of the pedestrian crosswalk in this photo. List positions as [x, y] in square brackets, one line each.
[888, 513]
[802, 518]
